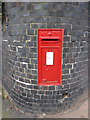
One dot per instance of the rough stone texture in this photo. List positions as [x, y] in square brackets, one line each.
[20, 54]
[0, 60]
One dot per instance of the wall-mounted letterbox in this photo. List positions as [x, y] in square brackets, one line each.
[49, 56]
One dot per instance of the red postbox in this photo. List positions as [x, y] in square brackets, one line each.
[49, 56]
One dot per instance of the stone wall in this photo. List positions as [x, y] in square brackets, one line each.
[0, 40]
[20, 24]
[0, 59]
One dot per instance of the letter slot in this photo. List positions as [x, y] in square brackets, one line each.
[49, 39]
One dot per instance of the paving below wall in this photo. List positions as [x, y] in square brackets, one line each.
[80, 110]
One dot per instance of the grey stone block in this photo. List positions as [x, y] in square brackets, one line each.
[38, 6]
[39, 25]
[30, 32]
[59, 13]
[48, 6]
[51, 13]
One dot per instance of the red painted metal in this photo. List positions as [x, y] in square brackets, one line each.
[49, 40]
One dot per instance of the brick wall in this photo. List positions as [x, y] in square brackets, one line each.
[20, 54]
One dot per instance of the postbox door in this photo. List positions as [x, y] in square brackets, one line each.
[49, 56]
[50, 62]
